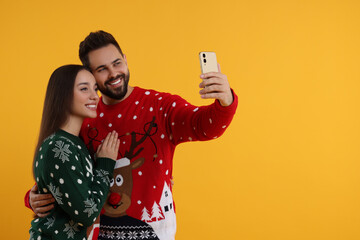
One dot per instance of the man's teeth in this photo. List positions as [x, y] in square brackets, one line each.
[116, 82]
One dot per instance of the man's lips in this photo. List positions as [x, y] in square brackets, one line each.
[116, 82]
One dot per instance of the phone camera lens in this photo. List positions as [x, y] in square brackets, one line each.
[204, 60]
[204, 55]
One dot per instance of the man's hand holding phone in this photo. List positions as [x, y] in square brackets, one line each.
[214, 84]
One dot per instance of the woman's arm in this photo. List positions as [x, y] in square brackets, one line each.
[77, 189]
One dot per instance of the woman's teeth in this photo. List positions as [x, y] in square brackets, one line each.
[91, 105]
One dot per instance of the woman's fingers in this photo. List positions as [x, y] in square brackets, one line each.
[110, 146]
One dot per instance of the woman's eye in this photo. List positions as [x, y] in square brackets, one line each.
[84, 89]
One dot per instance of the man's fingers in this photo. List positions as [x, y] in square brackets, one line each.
[214, 81]
[34, 188]
[211, 96]
[43, 210]
[42, 197]
[41, 200]
[212, 89]
[42, 203]
[42, 215]
[211, 75]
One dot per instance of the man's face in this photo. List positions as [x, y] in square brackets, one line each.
[110, 71]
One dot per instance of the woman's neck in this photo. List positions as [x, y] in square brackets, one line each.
[73, 125]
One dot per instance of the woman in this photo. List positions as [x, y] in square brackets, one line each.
[62, 164]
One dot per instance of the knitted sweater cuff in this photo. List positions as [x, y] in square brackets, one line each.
[106, 164]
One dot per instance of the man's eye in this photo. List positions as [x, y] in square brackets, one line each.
[101, 69]
[117, 63]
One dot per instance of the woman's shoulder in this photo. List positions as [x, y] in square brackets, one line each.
[61, 144]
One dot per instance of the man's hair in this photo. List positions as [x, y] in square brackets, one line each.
[94, 41]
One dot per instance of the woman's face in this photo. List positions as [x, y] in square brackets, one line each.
[85, 95]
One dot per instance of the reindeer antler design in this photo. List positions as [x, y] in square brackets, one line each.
[130, 153]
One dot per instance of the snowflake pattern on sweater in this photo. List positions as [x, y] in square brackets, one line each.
[62, 168]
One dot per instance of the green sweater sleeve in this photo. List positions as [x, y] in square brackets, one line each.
[79, 188]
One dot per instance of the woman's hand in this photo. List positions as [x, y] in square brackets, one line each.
[109, 147]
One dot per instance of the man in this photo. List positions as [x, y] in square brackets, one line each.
[150, 125]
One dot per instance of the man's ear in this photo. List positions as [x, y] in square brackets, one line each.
[125, 58]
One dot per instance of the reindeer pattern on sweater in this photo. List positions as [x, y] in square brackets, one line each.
[150, 125]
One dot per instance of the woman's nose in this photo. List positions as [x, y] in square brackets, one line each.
[94, 95]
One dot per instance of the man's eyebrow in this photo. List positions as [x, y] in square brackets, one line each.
[116, 60]
[101, 66]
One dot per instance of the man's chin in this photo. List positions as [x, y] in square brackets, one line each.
[118, 96]
[114, 94]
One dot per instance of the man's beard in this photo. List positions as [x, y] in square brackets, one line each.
[117, 93]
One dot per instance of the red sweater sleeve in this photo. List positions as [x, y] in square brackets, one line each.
[27, 199]
[185, 122]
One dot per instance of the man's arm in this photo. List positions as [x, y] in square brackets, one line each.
[41, 204]
[185, 122]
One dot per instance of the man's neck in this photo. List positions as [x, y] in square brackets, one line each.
[110, 101]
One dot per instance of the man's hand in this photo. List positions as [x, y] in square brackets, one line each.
[216, 86]
[40, 203]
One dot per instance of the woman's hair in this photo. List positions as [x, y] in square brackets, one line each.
[58, 101]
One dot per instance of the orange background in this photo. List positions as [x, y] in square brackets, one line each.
[287, 168]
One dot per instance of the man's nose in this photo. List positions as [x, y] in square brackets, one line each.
[112, 72]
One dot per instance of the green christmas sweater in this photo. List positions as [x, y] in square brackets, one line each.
[64, 168]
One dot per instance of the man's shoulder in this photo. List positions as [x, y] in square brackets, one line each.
[146, 91]
[152, 93]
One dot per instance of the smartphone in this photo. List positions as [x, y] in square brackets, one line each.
[208, 62]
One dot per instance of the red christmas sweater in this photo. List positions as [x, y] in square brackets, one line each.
[150, 124]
